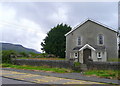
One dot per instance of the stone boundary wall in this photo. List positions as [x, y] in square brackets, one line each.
[69, 64]
[104, 65]
[50, 63]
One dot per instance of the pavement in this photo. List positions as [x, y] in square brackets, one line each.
[53, 78]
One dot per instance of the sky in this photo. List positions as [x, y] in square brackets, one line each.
[27, 23]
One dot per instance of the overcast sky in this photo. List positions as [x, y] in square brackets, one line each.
[27, 23]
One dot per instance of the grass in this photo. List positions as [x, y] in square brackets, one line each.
[42, 58]
[43, 68]
[110, 74]
[114, 59]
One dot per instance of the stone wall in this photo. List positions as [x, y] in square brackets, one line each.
[104, 65]
[50, 63]
[69, 64]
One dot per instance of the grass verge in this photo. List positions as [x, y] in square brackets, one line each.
[114, 59]
[110, 74]
[36, 68]
[42, 58]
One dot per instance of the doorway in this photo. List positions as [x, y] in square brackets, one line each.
[86, 54]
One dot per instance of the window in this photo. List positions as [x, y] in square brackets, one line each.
[99, 55]
[79, 41]
[100, 39]
[76, 55]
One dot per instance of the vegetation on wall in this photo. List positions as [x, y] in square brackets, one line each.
[77, 64]
[6, 56]
[55, 41]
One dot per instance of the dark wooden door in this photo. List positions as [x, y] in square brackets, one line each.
[86, 54]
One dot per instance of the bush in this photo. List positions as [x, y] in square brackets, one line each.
[7, 56]
[6, 65]
[76, 64]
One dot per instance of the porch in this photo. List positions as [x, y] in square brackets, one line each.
[86, 53]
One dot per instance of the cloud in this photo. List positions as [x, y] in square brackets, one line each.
[27, 23]
[59, 16]
[6, 13]
[21, 31]
[103, 12]
[27, 33]
[33, 34]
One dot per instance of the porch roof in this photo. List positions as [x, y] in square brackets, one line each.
[93, 47]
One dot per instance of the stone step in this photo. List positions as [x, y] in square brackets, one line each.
[83, 67]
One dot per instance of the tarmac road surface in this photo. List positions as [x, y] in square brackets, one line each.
[12, 81]
[40, 79]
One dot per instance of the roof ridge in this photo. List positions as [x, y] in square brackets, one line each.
[89, 19]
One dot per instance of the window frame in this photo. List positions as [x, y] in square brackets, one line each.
[79, 39]
[75, 55]
[98, 39]
[99, 53]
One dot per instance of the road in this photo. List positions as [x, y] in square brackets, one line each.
[12, 81]
[39, 79]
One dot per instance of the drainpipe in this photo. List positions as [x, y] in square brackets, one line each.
[78, 56]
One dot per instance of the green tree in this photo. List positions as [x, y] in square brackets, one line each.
[7, 56]
[24, 54]
[55, 41]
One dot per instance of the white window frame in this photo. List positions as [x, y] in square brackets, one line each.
[99, 57]
[80, 41]
[75, 55]
[98, 40]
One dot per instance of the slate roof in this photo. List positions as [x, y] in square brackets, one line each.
[96, 47]
[99, 47]
[77, 48]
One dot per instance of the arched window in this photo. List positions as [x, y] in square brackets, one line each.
[100, 39]
[79, 41]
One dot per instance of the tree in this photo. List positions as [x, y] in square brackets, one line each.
[24, 54]
[55, 41]
[7, 55]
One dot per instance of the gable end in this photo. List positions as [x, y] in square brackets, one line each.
[96, 22]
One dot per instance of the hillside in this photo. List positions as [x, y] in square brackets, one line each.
[16, 47]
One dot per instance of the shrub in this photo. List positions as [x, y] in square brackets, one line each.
[7, 56]
[76, 64]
